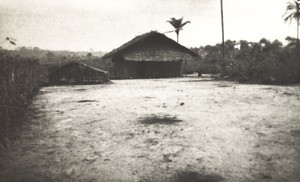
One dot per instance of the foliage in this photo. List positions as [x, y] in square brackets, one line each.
[292, 11]
[254, 62]
[177, 24]
[19, 82]
[264, 62]
[52, 57]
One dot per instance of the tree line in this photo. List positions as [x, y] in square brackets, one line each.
[262, 62]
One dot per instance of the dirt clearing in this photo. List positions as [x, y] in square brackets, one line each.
[184, 129]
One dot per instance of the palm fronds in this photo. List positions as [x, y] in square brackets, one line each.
[11, 40]
[177, 24]
[292, 11]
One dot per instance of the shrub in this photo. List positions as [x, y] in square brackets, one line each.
[261, 62]
[19, 82]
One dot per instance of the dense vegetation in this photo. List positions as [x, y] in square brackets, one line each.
[253, 62]
[19, 81]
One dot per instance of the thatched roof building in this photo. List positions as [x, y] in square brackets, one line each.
[151, 55]
[78, 73]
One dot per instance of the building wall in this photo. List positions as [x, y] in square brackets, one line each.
[148, 69]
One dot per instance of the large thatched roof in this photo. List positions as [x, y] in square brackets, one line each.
[152, 46]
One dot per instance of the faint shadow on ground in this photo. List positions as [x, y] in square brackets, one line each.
[203, 80]
[82, 101]
[295, 133]
[155, 119]
[193, 176]
[21, 174]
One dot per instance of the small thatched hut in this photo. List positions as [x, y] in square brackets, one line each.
[78, 73]
[151, 55]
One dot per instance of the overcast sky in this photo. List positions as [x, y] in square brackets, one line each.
[84, 25]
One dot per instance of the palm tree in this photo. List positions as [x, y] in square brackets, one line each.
[177, 24]
[293, 12]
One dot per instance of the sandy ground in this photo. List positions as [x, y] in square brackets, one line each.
[183, 129]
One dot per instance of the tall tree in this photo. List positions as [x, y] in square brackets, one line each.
[177, 24]
[293, 12]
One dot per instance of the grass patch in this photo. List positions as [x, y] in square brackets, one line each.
[155, 119]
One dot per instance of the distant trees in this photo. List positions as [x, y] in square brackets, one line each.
[262, 62]
[177, 24]
[50, 55]
[89, 55]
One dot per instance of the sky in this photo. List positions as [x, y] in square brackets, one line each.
[102, 25]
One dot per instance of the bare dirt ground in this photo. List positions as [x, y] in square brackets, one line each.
[184, 129]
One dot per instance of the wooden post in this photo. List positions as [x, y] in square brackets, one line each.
[185, 67]
[298, 16]
[223, 42]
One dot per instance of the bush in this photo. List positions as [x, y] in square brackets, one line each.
[19, 82]
[262, 62]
